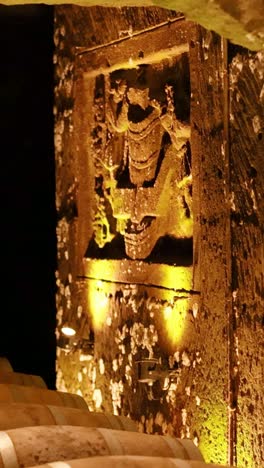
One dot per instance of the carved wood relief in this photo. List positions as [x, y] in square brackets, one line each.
[139, 146]
[142, 157]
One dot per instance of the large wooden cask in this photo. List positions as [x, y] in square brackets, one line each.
[5, 365]
[10, 393]
[22, 379]
[131, 461]
[29, 446]
[14, 415]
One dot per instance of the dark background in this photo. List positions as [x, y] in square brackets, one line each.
[27, 190]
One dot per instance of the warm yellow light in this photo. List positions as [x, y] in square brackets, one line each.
[99, 291]
[99, 308]
[102, 302]
[98, 304]
[68, 331]
[167, 312]
[174, 316]
[178, 278]
[212, 423]
[175, 310]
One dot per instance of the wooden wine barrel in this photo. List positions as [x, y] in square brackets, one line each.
[5, 365]
[16, 415]
[10, 393]
[22, 379]
[44, 444]
[130, 461]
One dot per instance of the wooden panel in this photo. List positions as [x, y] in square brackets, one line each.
[152, 46]
[211, 242]
[177, 278]
[95, 26]
[247, 160]
[223, 338]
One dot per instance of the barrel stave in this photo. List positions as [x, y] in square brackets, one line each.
[15, 415]
[10, 393]
[131, 461]
[5, 365]
[19, 378]
[45, 444]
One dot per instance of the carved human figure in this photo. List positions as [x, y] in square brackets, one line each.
[145, 178]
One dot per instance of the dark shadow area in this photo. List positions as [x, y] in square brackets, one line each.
[27, 190]
[168, 250]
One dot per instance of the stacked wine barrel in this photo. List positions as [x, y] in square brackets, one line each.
[42, 427]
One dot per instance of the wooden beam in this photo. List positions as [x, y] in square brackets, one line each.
[212, 264]
[247, 229]
[175, 278]
[170, 39]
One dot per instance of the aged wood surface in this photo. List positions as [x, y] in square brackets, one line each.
[241, 21]
[211, 240]
[167, 40]
[247, 185]
[133, 318]
[131, 271]
[71, 297]
[218, 397]
[90, 27]
[86, 27]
